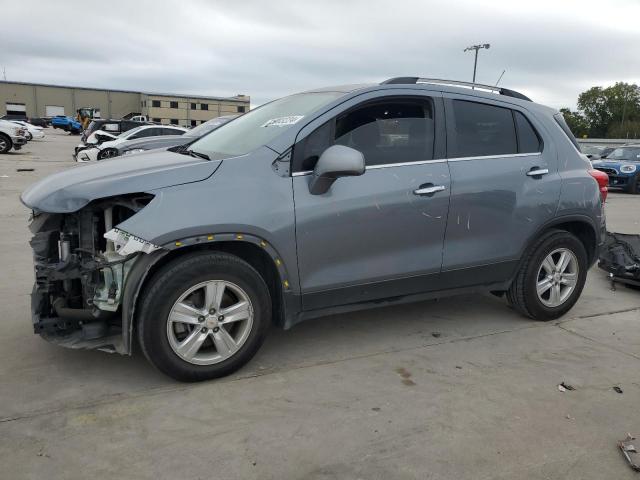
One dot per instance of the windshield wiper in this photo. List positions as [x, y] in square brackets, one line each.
[193, 153]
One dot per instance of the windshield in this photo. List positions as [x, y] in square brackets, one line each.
[208, 126]
[626, 153]
[260, 126]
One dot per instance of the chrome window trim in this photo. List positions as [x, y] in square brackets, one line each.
[437, 160]
[508, 155]
[384, 165]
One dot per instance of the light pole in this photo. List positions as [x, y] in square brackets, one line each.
[475, 61]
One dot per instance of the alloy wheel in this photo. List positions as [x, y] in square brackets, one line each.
[557, 277]
[210, 322]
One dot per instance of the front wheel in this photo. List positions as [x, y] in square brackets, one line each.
[204, 316]
[551, 277]
[107, 153]
[5, 143]
[634, 184]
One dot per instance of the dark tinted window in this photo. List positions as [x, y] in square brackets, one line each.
[147, 132]
[193, 106]
[386, 133]
[157, 120]
[155, 103]
[204, 106]
[480, 130]
[170, 131]
[193, 123]
[173, 104]
[241, 109]
[174, 121]
[528, 140]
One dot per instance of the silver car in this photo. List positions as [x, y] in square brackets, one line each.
[326, 201]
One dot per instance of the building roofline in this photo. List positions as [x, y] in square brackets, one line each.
[158, 94]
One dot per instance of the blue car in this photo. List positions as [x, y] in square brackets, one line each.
[623, 168]
[66, 123]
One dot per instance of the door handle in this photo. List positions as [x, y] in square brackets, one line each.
[537, 172]
[429, 189]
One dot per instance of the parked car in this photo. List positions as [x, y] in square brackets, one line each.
[68, 124]
[13, 116]
[196, 252]
[32, 131]
[11, 136]
[39, 122]
[108, 149]
[101, 130]
[623, 168]
[168, 141]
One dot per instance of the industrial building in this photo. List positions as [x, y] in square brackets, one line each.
[41, 100]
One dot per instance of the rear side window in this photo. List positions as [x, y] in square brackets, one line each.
[528, 139]
[481, 130]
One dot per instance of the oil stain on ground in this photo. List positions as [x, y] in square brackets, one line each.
[406, 376]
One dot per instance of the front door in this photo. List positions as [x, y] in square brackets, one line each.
[378, 235]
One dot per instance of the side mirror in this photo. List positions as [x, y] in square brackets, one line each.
[335, 162]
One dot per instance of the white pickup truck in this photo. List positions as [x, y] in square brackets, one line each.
[11, 136]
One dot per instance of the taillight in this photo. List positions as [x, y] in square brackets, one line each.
[603, 182]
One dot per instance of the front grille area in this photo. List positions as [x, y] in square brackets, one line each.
[608, 171]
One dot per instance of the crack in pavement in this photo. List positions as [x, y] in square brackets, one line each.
[153, 391]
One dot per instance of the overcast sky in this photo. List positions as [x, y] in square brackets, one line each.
[551, 50]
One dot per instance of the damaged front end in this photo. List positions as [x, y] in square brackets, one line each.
[81, 265]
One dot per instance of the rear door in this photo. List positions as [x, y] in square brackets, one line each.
[505, 186]
[380, 234]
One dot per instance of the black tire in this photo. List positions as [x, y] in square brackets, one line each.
[175, 278]
[522, 294]
[5, 143]
[634, 187]
[107, 153]
[29, 137]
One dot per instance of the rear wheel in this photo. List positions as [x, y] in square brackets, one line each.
[204, 316]
[5, 143]
[551, 277]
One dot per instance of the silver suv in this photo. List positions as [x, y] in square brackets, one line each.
[326, 201]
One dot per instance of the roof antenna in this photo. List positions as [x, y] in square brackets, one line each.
[500, 78]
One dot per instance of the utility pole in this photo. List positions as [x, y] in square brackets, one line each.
[4, 74]
[475, 61]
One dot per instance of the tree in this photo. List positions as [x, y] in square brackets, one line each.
[576, 122]
[606, 110]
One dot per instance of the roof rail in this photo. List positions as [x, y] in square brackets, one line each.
[456, 83]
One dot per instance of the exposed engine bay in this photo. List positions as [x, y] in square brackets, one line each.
[81, 266]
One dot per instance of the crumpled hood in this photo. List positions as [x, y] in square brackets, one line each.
[72, 189]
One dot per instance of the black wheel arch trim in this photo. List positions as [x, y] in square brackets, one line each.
[556, 221]
[139, 273]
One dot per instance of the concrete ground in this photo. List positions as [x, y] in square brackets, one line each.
[452, 389]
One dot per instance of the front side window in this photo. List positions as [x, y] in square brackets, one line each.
[386, 132]
[481, 130]
[261, 125]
